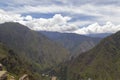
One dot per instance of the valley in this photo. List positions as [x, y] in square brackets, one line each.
[59, 39]
[75, 43]
[31, 55]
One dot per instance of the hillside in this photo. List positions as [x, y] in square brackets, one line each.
[75, 43]
[100, 63]
[31, 47]
[14, 65]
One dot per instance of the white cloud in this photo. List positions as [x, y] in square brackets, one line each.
[7, 17]
[70, 9]
[100, 13]
[46, 9]
[28, 18]
[96, 28]
[58, 23]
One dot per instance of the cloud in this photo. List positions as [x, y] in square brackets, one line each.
[63, 2]
[58, 23]
[28, 18]
[96, 28]
[98, 13]
[8, 17]
[68, 15]
[69, 9]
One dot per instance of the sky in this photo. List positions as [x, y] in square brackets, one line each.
[71, 16]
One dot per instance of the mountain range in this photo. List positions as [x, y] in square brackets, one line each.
[23, 50]
[75, 43]
[31, 47]
[100, 35]
[100, 63]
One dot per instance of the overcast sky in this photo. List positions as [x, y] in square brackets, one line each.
[77, 16]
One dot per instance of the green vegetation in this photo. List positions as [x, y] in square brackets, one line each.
[14, 65]
[75, 43]
[31, 47]
[100, 63]
[27, 51]
[23, 51]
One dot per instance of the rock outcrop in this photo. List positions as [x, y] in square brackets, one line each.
[24, 77]
[3, 74]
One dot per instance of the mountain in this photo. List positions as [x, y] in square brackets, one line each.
[41, 52]
[14, 65]
[100, 63]
[100, 35]
[75, 43]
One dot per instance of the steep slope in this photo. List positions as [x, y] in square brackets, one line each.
[73, 42]
[14, 65]
[37, 49]
[100, 63]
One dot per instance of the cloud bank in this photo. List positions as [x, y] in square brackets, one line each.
[57, 23]
[87, 11]
[96, 28]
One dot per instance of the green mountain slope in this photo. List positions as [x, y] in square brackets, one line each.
[75, 43]
[31, 47]
[100, 63]
[15, 65]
